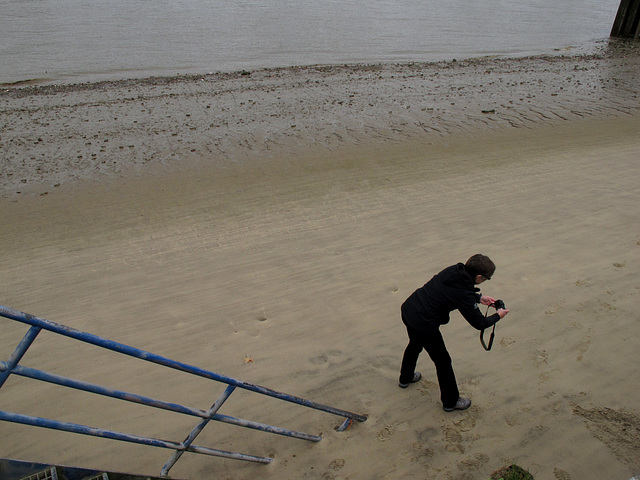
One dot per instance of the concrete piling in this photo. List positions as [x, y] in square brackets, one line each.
[627, 22]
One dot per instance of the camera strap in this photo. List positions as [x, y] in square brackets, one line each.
[493, 334]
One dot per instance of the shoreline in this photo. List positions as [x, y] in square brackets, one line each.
[615, 49]
[593, 47]
[44, 85]
[59, 134]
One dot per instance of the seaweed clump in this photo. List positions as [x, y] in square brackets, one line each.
[512, 472]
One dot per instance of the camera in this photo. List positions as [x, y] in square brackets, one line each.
[499, 304]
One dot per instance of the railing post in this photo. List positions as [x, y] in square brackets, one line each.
[19, 352]
[196, 431]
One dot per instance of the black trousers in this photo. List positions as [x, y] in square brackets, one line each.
[433, 343]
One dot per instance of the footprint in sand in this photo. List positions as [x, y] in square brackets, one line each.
[453, 434]
[554, 309]
[541, 357]
[606, 306]
[561, 474]
[253, 332]
[424, 453]
[474, 462]
[468, 422]
[544, 376]
[426, 387]
[454, 448]
[513, 420]
[319, 360]
[516, 418]
[386, 432]
[336, 464]
[454, 440]
[583, 346]
[506, 341]
[324, 358]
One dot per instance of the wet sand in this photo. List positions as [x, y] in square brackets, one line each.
[282, 216]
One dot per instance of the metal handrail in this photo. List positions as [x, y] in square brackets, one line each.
[37, 324]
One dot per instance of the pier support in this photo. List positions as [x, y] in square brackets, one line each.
[627, 22]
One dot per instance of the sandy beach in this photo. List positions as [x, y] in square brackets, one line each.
[268, 225]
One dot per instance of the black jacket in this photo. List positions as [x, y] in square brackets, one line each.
[451, 289]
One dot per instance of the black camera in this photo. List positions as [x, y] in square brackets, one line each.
[499, 304]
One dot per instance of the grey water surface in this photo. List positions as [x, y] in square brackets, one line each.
[88, 40]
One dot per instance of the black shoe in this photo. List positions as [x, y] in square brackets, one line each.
[416, 378]
[461, 404]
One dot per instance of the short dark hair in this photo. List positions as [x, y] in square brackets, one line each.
[479, 264]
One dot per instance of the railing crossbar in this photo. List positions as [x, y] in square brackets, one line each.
[35, 374]
[124, 437]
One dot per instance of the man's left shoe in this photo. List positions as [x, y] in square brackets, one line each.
[416, 378]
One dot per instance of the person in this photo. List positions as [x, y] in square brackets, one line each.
[454, 288]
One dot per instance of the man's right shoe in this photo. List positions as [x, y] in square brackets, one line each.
[461, 404]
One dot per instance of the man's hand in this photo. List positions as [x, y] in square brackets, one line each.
[486, 300]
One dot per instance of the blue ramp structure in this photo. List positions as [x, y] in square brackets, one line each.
[36, 325]
[21, 470]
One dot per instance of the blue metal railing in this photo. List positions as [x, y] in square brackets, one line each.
[12, 366]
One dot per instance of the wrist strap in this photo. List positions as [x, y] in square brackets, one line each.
[493, 334]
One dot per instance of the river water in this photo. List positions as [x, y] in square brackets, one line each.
[88, 40]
